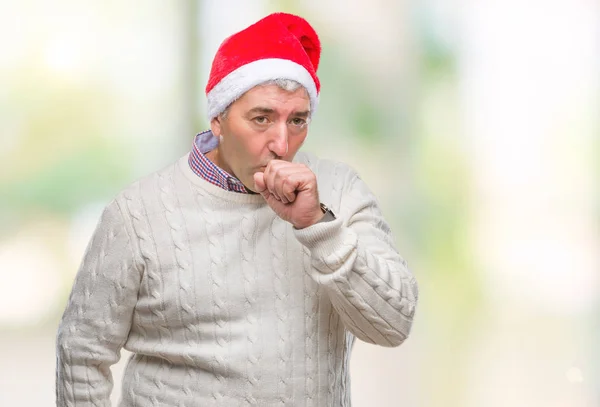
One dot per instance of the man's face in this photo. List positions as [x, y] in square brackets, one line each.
[266, 123]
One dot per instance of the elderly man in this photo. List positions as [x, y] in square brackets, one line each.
[242, 273]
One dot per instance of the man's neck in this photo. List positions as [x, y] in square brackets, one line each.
[215, 157]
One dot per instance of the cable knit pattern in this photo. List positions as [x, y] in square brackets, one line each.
[345, 375]
[332, 356]
[249, 276]
[183, 260]
[216, 280]
[310, 310]
[224, 304]
[282, 299]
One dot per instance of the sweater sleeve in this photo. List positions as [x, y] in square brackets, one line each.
[355, 259]
[97, 318]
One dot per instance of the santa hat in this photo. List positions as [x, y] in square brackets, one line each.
[280, 46]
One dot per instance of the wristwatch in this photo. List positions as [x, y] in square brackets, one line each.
[329, 215]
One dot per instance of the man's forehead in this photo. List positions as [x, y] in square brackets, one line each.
[278, 110]
[272, 97]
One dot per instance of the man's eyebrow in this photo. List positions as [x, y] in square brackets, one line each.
[267, 110]
[259, 109]
[303, 114]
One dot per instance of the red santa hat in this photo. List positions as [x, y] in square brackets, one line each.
[280, 46]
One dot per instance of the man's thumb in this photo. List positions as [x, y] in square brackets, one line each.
[259, 182]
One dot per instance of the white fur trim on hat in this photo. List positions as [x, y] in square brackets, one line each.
[238, 82]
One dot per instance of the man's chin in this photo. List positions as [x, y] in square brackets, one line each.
[250, 188]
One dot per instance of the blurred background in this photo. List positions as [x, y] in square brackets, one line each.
[475, 123]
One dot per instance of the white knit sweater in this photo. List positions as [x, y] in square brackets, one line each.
[224, 304]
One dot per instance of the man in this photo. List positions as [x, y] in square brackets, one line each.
[241, 274]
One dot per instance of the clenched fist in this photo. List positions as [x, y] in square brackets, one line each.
[290, 189]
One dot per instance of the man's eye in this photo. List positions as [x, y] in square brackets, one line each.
[261, 119]
[298, 122]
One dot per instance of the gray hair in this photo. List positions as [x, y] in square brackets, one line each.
[288, 85]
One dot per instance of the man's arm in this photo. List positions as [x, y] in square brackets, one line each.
[98, 315]
[355, 259]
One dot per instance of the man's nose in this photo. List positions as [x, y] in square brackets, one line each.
[279, 140]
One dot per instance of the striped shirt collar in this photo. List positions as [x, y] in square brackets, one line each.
[209, 171]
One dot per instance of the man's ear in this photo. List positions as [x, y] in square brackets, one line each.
[215, 125]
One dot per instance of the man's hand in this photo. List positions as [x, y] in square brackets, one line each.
[290, 189]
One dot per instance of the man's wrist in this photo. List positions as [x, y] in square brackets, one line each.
[324, 215]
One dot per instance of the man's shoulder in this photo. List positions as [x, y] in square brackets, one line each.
[150, 183]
